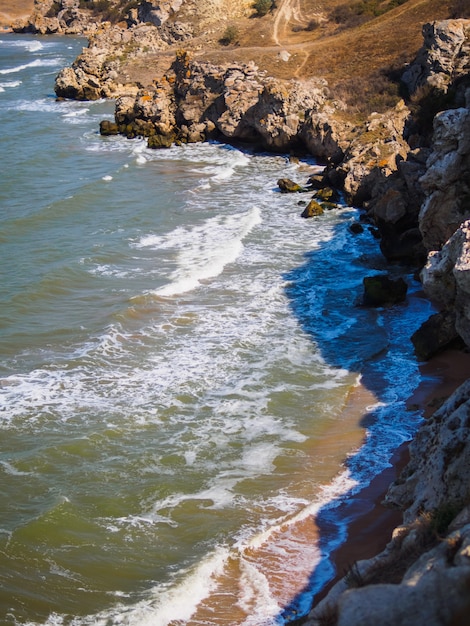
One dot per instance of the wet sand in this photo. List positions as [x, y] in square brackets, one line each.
[372, 525]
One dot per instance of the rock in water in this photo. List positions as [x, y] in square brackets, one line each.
[381, 290]
[286, 185]
[312, 209]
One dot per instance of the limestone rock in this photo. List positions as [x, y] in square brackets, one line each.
[100, 64]
[236, 101]
[374, 153]
[438, 472]
[157, 12]
[446, 278]
[324, 136]
[446, 183]
[443, 57]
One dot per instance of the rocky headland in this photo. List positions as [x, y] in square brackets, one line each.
[406, 164]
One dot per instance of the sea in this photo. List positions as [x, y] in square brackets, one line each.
[192, 396]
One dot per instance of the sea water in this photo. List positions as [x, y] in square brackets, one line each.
[178, 348]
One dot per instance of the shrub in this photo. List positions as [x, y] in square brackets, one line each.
[230, 35]
[352, 14]
[381, 91]
[262, 7]
[460, 9]
[54, 9]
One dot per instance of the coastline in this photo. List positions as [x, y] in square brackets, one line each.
[372, 524]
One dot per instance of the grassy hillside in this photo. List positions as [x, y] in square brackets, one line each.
[13, 9]
[356, 45]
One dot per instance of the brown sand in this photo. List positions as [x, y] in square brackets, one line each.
[369, 532]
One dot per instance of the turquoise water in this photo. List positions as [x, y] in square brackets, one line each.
[176, 346]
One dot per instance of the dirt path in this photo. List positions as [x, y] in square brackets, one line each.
[289, 16]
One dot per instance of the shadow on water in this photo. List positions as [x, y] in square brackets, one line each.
[325, 295]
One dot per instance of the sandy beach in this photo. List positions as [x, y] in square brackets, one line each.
[371, 527]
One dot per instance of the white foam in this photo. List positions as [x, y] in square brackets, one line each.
[203, 251]
[256, 597]
[11, 84]
[31, 46]
[35, 63]
[11, 469]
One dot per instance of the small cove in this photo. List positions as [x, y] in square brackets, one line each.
[186, 376]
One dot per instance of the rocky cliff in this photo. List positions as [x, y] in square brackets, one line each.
[423, 576]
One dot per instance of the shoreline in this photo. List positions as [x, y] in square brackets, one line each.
[372, 523]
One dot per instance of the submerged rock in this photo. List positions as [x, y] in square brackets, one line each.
[381, 290]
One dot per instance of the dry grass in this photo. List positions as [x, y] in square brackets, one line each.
[353, 60]
[13, 9]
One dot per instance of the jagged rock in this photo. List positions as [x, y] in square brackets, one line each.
[446, 183]
[435, 334]
[108, 128]
[374, 154]
[435, 592]
[381, 290]
[446, 279]
[312, 209]
[157, 12]
[99, 65]
[324, 136]
[443, 57]
[236, 100]
[69, 19]
[286, 185]
[438, 471]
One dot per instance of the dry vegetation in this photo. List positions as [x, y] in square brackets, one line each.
[13, 9]
[358, 46]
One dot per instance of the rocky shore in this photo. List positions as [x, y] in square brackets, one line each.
[407, 167]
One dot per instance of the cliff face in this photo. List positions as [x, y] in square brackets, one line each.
[423, 576]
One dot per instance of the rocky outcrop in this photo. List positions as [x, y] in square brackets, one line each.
[446, 279]
[443, 58]
[157, 12]
[446, 182]
[64, 17]
[437, 475]
[97, 72]
[195, 101]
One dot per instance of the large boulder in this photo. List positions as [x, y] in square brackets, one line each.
[446, 183]
[438, 473]
[381, 290]
[157, 12]
[443, 57]
[446, 279]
